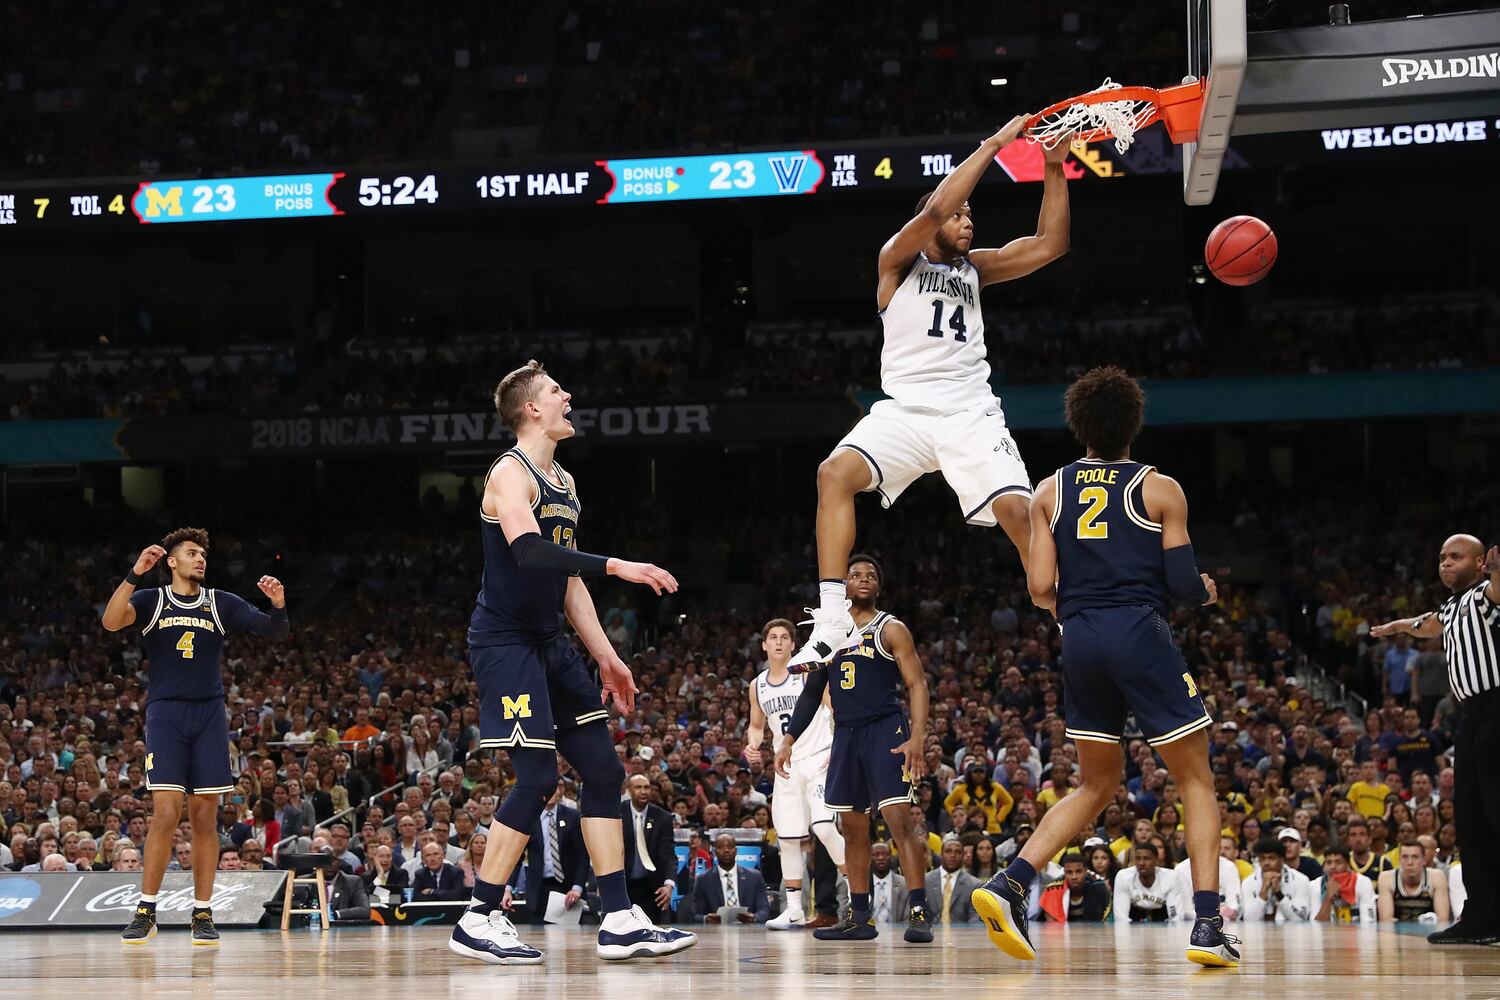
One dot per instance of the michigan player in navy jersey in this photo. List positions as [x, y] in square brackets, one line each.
[183, 628]
[877, 752]
[536, 696]
[1110, 551]
[942, 415]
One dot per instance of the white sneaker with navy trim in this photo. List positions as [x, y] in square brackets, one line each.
[628, 934]
[491, 938]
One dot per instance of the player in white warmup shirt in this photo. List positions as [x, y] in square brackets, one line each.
[1135, 900]
[797, 806]
[942, 415]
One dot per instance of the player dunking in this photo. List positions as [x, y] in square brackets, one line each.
[536, 696]
[798, 805]
[187, 733]
[942, 415]
[876, 753]
[1110, 549]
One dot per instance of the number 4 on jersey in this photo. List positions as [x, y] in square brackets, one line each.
[955, 323]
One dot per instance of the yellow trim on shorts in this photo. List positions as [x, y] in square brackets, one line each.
[890, 802]
[591, 717]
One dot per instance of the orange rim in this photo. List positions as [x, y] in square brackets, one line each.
[1177, 107]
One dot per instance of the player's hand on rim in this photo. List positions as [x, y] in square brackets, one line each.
[651, 575]
[148, 558]
[1059, 152]
[1009, 132]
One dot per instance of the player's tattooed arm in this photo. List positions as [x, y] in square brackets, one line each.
[1041, 564]
[896, 638]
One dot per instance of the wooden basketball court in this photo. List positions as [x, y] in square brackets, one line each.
[1113, 961]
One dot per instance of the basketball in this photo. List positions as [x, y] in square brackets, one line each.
[1240, 250]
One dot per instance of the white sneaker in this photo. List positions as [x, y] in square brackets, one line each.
[788, 919]
[833, 631]
[491, 938]
[628, 934]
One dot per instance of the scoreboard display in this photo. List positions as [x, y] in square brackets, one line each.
[824, 172]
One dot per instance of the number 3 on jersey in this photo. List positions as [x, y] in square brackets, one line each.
[955, 323]
[847, 681]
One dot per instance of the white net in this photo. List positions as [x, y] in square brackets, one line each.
[1122, 118]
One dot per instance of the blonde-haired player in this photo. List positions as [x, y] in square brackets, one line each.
[797, 806]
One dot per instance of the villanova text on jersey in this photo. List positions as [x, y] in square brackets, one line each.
[1108, 550]
[865, 681]
[516, 605]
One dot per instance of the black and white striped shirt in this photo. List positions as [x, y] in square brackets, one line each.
[1471, 641]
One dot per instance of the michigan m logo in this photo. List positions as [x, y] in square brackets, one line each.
[159, 202]
[516, 708]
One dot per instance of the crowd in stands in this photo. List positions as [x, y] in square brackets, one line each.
[1044, 347]
[358, 734]
[116, 89]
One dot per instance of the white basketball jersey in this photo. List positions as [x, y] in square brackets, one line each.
[779, 701]
[933, 354]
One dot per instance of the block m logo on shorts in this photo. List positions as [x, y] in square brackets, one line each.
[516, 708]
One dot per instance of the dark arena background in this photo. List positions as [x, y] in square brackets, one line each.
[263, 266]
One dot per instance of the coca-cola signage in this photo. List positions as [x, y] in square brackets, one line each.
[106, 899]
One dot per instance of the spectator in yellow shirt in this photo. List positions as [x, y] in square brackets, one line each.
[1369, 792]
[978, 792]
[1060, 785]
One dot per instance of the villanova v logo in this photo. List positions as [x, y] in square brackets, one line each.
[787, 173]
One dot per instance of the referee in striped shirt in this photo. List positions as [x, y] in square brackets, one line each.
[1469, 623]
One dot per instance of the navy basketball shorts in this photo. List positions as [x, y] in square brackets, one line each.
[1121, 660]
[528, 691]
[862, 769]
[187, 747]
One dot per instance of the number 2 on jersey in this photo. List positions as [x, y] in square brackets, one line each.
[1088, 527]
[956, 323]
[185, 645]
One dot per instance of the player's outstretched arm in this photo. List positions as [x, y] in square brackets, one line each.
[896, 638]
[1020, 257]
[1041, 562]
[507, 497]
[117, 612]
[946, 201]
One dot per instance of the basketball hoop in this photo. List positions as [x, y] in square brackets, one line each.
[1116, 112]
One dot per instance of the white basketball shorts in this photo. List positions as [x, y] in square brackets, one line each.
[797, 802]
[972, 448]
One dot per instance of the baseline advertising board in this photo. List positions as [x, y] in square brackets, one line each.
[107, 899]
